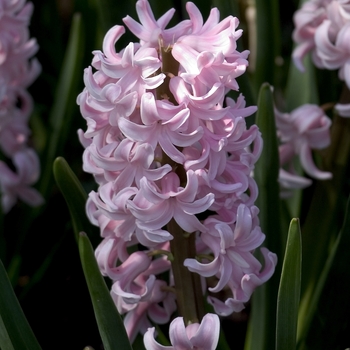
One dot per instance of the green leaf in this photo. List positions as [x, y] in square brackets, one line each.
[330, 300]
[324, 213]
[5, 341]
[289, 291]
[261, 329]
[65, 100]
[301, 86]
[74, 195]
[268, 41]
[15, 331]
[109, 322]
[266, 174]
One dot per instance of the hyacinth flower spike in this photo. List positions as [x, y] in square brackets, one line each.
[18, 70]
[165, 145]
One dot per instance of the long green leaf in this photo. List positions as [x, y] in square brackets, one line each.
[289, 291]
[15, 331]
[322, 223]
[109, 322]
[301, 86]
[330, 300]
[261, 330]
[268, 41]
[65, 100]
[74, 195]
[5, 341]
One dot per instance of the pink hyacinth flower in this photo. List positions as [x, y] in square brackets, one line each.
[305, 129]
[203, 336]
[18, 70]
[18, 184]
[165, 145]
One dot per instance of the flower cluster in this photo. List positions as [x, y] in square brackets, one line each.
[17, 72]
[323, 28]
[305, 129]
[164, 145]
[204, 336]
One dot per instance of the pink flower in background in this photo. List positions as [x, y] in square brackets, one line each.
[322, 27]
[162, 158]
[305, 129]
[17, 71]
[17, 184]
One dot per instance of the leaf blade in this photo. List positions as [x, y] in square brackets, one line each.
[289, 291]
[109, 322]
[15, 328]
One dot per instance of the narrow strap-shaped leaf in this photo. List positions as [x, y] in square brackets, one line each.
[5, 341]
[330, 300]
[74, 194]
[268, 41]
[261, 330]
[109, 322]
[65, 100]
[289, 291]
[15, 330]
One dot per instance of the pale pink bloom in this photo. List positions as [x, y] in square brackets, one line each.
[17, 71]
[343, 109]
[18, 184]
[134, 65]
[322, 27]
[130, 160]
[203, 336]
[151, 30]
[158, 308]
[242, 293]
[304, 129]
[306, 20]
[162, 123]
[135, 278]
[233, 246]
[131, 136]
[334, 55]
[208, 54]
[154, 207]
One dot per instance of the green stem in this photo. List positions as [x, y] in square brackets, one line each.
[187, 284]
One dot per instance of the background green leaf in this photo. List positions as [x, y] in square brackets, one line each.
[330, 303]
[15, 331]
[74, 194]
[109, 322]
[261, 329]
[289, 291]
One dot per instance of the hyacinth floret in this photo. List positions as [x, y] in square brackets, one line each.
[322, 27]
[18, 70]
[166, 146]
[301, 131]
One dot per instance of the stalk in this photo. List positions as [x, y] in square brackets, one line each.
[187, 284]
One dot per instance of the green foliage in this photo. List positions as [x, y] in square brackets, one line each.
[15, 331]
[289, 291]
[109, 322]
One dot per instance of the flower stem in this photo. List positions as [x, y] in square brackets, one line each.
[170, 67]
[187, 284]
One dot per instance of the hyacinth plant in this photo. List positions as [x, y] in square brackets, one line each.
[207, 183]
